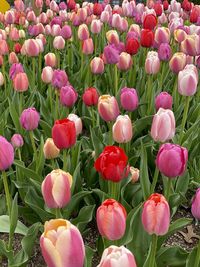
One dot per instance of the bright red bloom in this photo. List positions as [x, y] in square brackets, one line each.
[165, 4]
[112, 164]
[132, 46]
[97, 9]
[158, 9]
[186, 5]
[147, 38]
[150, 22]
[71, 4]
[17, 48]
[90, 96]
[64, 133]
[195, 13]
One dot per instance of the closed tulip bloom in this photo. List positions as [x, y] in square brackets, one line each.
[68, 96]
[64, 133]
[122, 130]
[97, 65]
[180, 35]
[112, 37]
[162, 35]
[7, 154]
[163, 125]
[147, 38]
[129, 99]
[50, 60]
[196, 205]
[191, 45]
[132, 46]
[164, 52]
[78, 122]
[32, 48]
[158, 9]
[66, 32]
[111, 54]
[17, 140]
[29, 119]
[50, 150]
[96, 26]
[114, 256]
[163, 100]
[13, 58]
[20, 82]
[90, 97]
[156, 215]
[108, 107]
[150, 22]
[47, 75]
[60, 79]
[1, 79]
[83, 32]
[15, 69]
[107, 215]
[125, 61]
[88, 46]
[55, 30]
[187, 82]
[4, 50]
[105, 16]
[171, 160]
[152, 63]
[58, 235]
[56, 189]
[59, 43]
[135, 174]
[177, 62]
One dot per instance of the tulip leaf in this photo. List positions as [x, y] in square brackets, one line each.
[141, 124]
[84, 217]
[14, 215]
[144, 175]
[191, 258]
[28, 172]
[5, 226]
[88, 257]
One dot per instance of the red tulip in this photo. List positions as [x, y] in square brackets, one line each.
[147, 38]
[132, 46]
[150, 22]
[97, 9]
[90, 96]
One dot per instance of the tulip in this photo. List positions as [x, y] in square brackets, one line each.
[132, 46]
[90, 97]
[180, 35]
[191, 45]
[108, 107]
[17, 140]
[97, 65]
[97, 9]
[177, 62]
[122, 129]
[1, 79]
[15, 69]
[164, 52]
[29, 119]
[68, 96]
[111, 54]
[13, 58]
[22, 34]
[88, 46]
[112, 37]
[32, 48]
[105, 16]
[60, 79]
[4, 50]
[135, 174]
[158, 9]
[77, 121]
[56, 189]
[129, 99]
[156, 215]
[50, 60]
[66, 31]
[20, 82]
[7, 154]
[64, 133]
[58, 235]
[171, 160]
[150, 22]
[83, 32]
[96, 26]
[147, 38]
[50, 150]
[187, 81]
[107, 215]
[163, 100]
[55, 30]
[163, 125]
[114, 256]
[195, 205]
[47, 75]
[125, 61]
[162, 35]
[152, 63]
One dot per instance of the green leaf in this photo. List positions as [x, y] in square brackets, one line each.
[27, 172]
[84, 217]
[191, 258]
[144, 175]
[5, 226]
[89, 255]
[15, 117]
[14, 215]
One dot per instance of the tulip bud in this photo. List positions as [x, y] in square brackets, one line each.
[50, 149]
[68, 96]
[29, 119]
[132, 46]
[50, 60]
[22, 34]
[96, 26]
[59, 43]
[56, 189]
[32, 48]
[129, 99]
[13, 58]
[187, 81]
[83, 32]
[77, 121]
[1, 79]
[112, 37]
[105, 16]
[107, 215]
[156, 215]
[4, 50]
[97, 65]
[60, 79]
[164, 52]
[90, 96]
[163, 125]
[195, 205]
[113, 256]
[66, 31]
[7, 154]
[177, 62]
[122, 129]
[147, 38]
[58, 235]
[47, 75]
[150, 22]
[17, 140]
[191, 45]
[111, 54]
[163, 100]
[88, 46]
[108, 107]
[179, 35]
[135, 174]
[176, 158]
[152, 63]
[20, 82]
[125, 61]
[162, 35]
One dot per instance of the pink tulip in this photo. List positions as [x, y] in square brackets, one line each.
[83, 32]
[9, 17]
[31, 16]
[188, 80]
[88, 46]
[108, 107]
[122, 129]
[177, 62]
[156, 215]
[105, 16]
[19, 5]
[50, 60]
[58, 235]
[171, 160]
[112, 37]
[60, 79]
[20, 82]
[196, 205]
[162, 35]
[97, 65]
[66, 32]
[56, 189]
[15, 69]
[152, 63]
[7, 154]
[13, 58]
[4, 50]
[14, 34]
[68, 96]
[82, 14]
[191, 45]
[54, 7]
[163, 100]
[96, 26]
[1, 79]
[163, 125]
[50, 150]
[55, 30]
[129, 99]
[125, 61]
[31, 47]
[47, 74]
[77, 121]
[59, 43]
[135, 174]
[107, 215]
[29, 119]
[114, 256]
[17, 140]
[180, 35]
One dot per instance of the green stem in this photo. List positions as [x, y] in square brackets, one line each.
[53, 164]
[162, 76]
[155, 179]
[7, 192]
[58, 58]
[33, 144]
[65, 160]
[56, 113]
[20, 103]
[50, 97]
[19, 154]
[174, 93]
[153, 250]
[149, 94]
[197, 259]
[34, 68]
[110, 125]
[186, 108]
[168, 190]
[95, 44]
[114, 189]
[58, 213]
[82, 62]
[116, 79]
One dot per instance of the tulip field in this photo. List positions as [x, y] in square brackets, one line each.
[99, 133]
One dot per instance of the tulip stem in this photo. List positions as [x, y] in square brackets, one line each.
[65, 160]
[56, 106]
[114, 190]
[153, 250]
[116, 79]
[168, 190]
[174, 93]
[110, 125]
[197, 259]
[82, 62]
[186, 108]
[149, 93]
[20, 102]
[33, 144]
[34, 67]
[7, 192]
[155, 179]
[50, 97]
[19, 154]
[58, 213]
